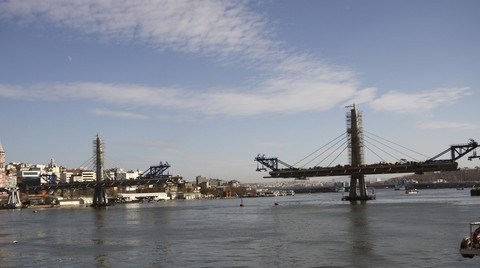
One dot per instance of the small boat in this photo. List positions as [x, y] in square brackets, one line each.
[411, 191]
[470, 245]
[475, 191]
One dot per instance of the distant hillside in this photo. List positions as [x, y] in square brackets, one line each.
[464, 175]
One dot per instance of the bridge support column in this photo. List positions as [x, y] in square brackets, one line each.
[99, 199]
[362, 188]
[358, 182]
[353, 188]
[355, 130]
[13, 198]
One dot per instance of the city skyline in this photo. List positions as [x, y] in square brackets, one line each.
[208, 85]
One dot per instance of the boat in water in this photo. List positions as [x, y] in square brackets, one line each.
[475, 191]
[470, 245]
[411, 191]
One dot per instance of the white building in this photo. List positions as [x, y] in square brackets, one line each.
[132, 174]
[66, 176]
[88, 176]
[78, 175]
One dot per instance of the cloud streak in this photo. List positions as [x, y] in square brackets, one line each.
[288, 98]
[118, 114]
[281, 97]
[418, 103]
[229, 30]
[213, 27]
[448, 125]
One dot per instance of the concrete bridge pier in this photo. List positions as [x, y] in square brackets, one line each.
[99, 198]
[358, 189]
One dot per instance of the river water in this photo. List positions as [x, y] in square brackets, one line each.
[307, 230]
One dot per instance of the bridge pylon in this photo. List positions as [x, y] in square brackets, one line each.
[99, 198]
[358, 188]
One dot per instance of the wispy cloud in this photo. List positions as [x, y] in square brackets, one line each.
[118, 114]
[292, 81]
[448, 125]
[285, 96]
[290, 95]
[418, 102]
[213, 27]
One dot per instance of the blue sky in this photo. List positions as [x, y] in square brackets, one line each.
[207, 85]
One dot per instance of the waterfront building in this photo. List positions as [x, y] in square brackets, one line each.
[120, 174]
[215, 182]
[171, 189]
[189, 196]
[66, 176]
[77, 175]
[30, 177]
[132, 174]
[199, 180]
[234, 183]
[204, 184]
[53, 171]
[88, 176]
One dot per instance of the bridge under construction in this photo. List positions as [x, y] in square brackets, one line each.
[357, 169]
[156, 174]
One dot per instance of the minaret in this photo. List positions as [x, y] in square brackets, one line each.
[2, 158]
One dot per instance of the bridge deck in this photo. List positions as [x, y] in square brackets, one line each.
[105, 184]
[365, 169]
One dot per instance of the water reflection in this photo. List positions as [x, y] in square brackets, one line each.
[99, 236]
[102, 260]
[359, 233]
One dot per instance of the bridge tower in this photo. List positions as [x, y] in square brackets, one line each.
[355, 131]
[99, 199]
